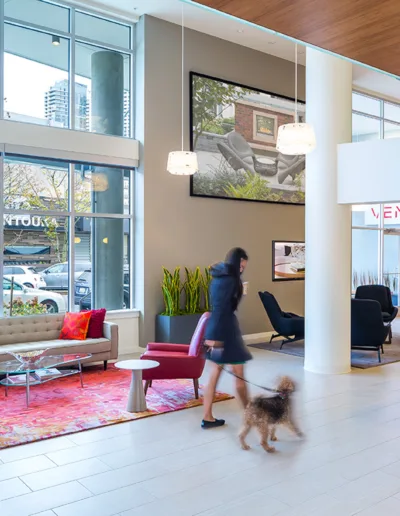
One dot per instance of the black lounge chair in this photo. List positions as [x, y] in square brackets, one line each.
[383, 295]
[286, 324]
[368, 330]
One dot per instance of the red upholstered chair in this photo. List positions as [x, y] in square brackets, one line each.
[177, 360]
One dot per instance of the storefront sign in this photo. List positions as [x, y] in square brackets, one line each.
[29, 221]
[391, 214]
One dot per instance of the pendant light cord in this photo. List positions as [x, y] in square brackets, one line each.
[183, 71]
[295, 87]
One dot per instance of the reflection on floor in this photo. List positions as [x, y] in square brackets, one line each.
[363, 359]
[348, 464]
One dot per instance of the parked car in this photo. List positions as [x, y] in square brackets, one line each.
[25, 275]
[54, 302]
[56, 276]
[83, 291]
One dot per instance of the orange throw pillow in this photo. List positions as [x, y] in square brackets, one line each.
[76, 325]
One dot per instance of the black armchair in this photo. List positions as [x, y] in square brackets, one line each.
[383, 295]
[287, 325]
[368, 330]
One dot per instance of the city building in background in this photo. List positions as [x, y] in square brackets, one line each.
[56, 105]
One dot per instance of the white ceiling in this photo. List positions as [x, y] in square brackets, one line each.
[233, 30]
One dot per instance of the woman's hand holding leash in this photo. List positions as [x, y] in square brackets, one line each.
[214, 344]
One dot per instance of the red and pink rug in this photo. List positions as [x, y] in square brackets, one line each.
[62, 407]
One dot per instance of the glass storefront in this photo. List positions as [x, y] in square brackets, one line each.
[376, 228]
[67, 243]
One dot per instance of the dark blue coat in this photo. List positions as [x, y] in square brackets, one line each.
[226, 292]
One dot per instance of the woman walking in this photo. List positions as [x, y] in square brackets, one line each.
[223, 337]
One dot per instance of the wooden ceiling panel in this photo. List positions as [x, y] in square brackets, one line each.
[367, 31]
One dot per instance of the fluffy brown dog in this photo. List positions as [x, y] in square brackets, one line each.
[267, 413]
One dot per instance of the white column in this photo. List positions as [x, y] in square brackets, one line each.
[328, 225]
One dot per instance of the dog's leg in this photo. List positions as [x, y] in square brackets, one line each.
[243, 434]
[273, 436]
[264, 434]
[294, 428]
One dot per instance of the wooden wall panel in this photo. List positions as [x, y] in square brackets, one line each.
[367, 31]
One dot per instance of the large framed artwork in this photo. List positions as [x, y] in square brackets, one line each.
[234, 131]
[288, 261]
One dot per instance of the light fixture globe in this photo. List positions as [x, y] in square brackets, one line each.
[182, 163]
[296, 139]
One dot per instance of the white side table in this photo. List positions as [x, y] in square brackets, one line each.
[136, 398]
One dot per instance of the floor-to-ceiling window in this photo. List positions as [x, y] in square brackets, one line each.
[376, 228]
[67, 235]
[55, 60]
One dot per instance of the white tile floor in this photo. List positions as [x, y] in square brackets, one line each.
[166, 465]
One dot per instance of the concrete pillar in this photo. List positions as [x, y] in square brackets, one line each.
[328, 225]
[107, 117]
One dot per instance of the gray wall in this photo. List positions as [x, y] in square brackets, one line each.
[175, 229]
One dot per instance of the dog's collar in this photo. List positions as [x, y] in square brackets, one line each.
[283, 395]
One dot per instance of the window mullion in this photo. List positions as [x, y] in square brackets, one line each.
[1, 61]
[72, 66]
[71, 238]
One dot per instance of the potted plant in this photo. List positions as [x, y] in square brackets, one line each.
[184, 304]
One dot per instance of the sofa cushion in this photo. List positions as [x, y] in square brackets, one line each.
[58, 347]
[96, 323]
[30, 328]
[75, 325]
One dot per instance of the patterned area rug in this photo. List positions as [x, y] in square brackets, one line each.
[359, 358]
[62, 407]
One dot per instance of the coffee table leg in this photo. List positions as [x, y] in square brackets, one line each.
[27, 389]
[136, 399]
[80, 372]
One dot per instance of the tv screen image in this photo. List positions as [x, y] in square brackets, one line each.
[288, 261]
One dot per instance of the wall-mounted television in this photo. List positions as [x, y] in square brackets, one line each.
[288, 260]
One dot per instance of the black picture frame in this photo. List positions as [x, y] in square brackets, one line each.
[285, 276]
[193, 192]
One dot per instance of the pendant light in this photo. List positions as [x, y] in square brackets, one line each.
[182, 163]
[298, 138]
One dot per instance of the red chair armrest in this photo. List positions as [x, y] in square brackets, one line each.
[161, 346]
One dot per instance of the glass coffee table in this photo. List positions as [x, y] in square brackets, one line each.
[35, 372]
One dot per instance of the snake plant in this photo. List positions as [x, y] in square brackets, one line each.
[171, 288]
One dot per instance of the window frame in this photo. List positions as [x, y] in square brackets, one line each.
[73, 39]
[71, 213]
[380, 222]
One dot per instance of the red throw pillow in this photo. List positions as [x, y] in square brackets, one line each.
[96, 324]
[76, 325]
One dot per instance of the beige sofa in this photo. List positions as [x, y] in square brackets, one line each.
[36, 332]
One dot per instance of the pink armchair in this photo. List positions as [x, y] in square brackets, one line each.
[177, 360]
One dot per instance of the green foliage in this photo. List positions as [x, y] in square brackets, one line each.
[45, 190]
[210, 100]
[192, 291]
[31, 307]
[299, 196]
[214, 127]
[205, 281]
[171, 288]
[255, 188]
[214, 182]
[196, 288]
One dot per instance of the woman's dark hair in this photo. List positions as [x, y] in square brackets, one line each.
[234, 257]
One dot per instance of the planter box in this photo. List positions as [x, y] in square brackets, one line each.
[178, 329]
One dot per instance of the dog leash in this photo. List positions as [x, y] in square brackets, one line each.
[280, 394]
